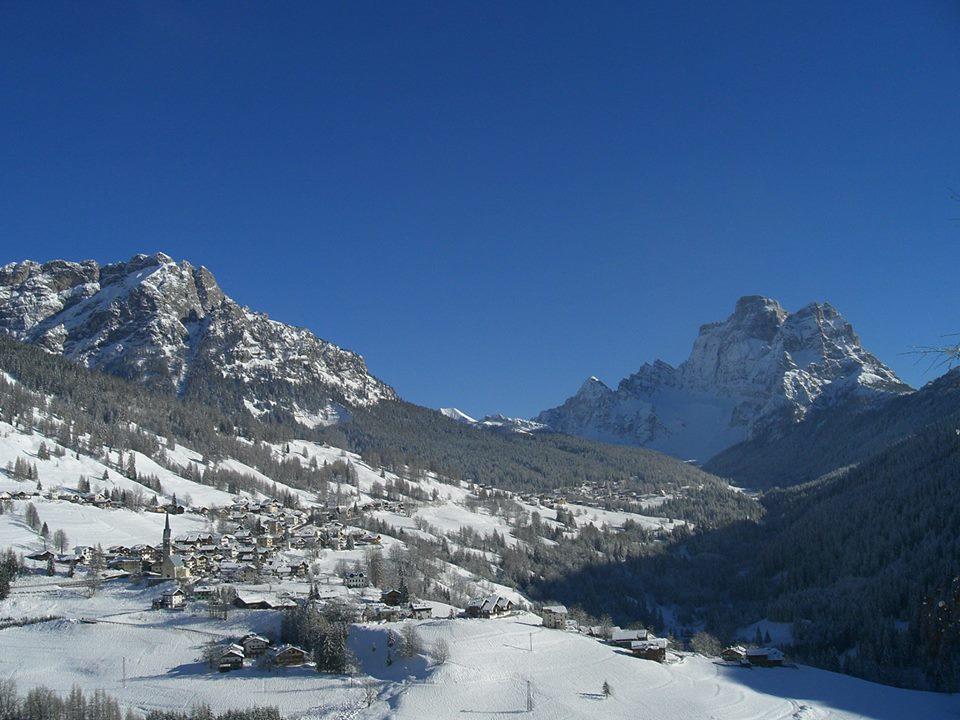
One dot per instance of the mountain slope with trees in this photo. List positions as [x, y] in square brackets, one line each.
[836, 437]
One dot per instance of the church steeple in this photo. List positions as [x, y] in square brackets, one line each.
[166, 536]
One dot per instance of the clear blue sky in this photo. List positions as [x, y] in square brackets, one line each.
[493, 201]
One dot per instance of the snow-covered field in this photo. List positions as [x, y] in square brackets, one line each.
[486, 675]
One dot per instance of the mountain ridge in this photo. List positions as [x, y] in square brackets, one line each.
[752, 375]
[170, 326]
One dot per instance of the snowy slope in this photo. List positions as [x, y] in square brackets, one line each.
[757, 372]
[486, 675]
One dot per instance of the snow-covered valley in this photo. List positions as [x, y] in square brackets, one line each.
[151, 659]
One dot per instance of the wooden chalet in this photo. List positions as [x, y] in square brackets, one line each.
[254, 645]
[735, 654]
[650, 649]
[390, 597]
[289, 656]
[231, 659]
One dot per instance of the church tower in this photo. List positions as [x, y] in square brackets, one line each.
[166, 537]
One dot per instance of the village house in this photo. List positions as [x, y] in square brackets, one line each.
[170, 600]
[254, 645]
[289, 656]
[555, 616]
[420, 611]
[231, 659]
[355, 580]
[488, 606]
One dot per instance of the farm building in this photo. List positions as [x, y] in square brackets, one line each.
[650, 649]
[734, 653]
[765, 657]
[625, 638]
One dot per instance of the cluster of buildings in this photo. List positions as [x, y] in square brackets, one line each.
[640, 642]
[253, 646]
[753, 656]
[252, 546]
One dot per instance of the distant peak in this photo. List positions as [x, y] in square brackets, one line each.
[593, 387]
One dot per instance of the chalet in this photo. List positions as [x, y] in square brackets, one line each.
[254, 645]
[623, 638]
[650, 649]
[231, 659]
[735, 654]
[555, 616]
[488, 606]
[44, 556]
[289, 656]
[420, 611]
[764, 657]
[355, 580]
[390, 597]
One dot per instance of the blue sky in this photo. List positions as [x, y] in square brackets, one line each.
[491, 201]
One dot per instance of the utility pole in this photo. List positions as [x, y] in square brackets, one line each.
[529, 698]
[531, 642]
[124, 671]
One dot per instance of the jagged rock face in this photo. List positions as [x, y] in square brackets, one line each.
[170, 326]
[755, 373]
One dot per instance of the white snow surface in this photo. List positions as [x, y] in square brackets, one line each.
[487, 674]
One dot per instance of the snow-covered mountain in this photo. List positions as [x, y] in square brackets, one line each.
[754, 374]
[169, 325]
[495, 422]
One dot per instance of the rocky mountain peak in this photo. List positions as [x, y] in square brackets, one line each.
[171, 326]
[593, 388]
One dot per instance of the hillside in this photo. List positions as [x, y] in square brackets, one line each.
[854, 565]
